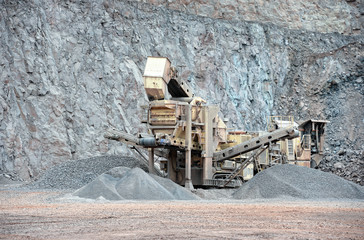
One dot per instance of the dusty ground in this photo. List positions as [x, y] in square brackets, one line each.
[43, 215]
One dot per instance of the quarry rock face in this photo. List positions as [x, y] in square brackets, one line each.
[71, 69]
[321, 16]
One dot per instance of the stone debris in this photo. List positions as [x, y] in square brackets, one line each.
[348, 165]
[221, 194]
[290, 15]
[124, 178]
[339, 165]
[123, 183]
[68, 73]
[285, 181]
[76, 173]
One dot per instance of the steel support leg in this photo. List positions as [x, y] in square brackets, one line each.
[151, 160]
[188, 137]
[210, 114]
[172, 161]
[188, 179]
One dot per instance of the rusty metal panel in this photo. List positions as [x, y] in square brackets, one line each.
[155, 88]
[304, 154]
[163, 113]
[303, 163]
[162, 116]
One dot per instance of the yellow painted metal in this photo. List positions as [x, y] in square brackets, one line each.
[275, 122]
[162, 116]
[158, 67]
[181, 121]
[248, 172]
[156, 77]
[302, 163]
[155, 88]
[235, 138]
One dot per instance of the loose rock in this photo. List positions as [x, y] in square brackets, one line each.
[133, 184]
[292, 181]
[76, 173]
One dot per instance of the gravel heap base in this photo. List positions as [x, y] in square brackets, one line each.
[298, 182]
[76, 173]
[123, 183]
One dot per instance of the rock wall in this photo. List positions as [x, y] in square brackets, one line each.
[342, 16]
[71, 69]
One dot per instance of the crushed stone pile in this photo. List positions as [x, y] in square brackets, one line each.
[76, 173]
[347, 163]
[123, 183]
[298, 182]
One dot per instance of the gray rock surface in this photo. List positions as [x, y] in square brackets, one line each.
[133, 184]
[343, 16]
[292, 181]
[77, 173]
[71, 69]
[349, 165]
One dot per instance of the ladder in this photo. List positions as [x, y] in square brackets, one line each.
[290, 150]
[257, 164]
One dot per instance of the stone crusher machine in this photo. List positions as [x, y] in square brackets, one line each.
[191, 136]
[306, 150]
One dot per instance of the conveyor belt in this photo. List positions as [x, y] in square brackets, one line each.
[255, 143]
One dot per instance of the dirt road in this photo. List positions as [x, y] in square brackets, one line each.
[41, 215]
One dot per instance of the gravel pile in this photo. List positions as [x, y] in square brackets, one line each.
[222, 194]
[133, 184]
[347, 163]
[298, 182]
[77, 173]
